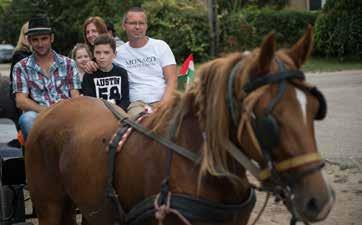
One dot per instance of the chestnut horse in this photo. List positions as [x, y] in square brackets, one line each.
[253, 105]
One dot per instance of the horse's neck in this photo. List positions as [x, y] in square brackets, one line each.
[192, 137]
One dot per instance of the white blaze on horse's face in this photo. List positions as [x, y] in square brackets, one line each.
[302, 99]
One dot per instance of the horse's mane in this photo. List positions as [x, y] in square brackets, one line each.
[206, 100]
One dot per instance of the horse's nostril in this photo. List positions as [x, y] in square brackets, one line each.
[312, 205]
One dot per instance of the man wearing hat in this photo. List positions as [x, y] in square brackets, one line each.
[43, 78]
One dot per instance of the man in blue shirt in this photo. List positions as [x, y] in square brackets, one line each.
[43, 78]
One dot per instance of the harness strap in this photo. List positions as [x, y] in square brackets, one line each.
[271, 78]
[161, 140]
[110, 191]
[229, 97]
[193, 209]
[291, 163]
[190, 208]
[243, 160]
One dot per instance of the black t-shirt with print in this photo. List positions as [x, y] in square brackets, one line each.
[112, 85]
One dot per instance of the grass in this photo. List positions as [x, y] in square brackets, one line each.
[316, 64]
[328, 65]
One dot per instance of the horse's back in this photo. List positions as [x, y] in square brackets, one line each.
[68, 142]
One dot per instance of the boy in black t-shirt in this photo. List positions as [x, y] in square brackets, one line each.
[110, 81]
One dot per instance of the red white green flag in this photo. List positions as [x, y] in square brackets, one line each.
[186, 73]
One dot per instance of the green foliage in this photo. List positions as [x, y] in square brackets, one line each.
[288, 25]
[182, 24]
[323, 64]
[338, 30]
[246, 29]
[231, 5]
[66, 17]
[237, 5]
[236, 33]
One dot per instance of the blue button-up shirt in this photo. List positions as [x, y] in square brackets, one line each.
[46, 90]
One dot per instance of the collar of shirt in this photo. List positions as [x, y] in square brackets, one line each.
[58, 61]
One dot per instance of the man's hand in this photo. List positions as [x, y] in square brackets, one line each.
[74, 93]
[24, 103]
[91, 67]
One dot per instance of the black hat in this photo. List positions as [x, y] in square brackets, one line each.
[39, 25]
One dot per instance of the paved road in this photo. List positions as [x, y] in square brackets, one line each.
[4, 69]
[339, 135]
[7, 130]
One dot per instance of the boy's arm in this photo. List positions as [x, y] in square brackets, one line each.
[74, 93]
[87, 87]
[124, 90]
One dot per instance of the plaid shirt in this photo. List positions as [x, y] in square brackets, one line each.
[46, 90]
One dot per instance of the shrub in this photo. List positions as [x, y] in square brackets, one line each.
[236, 33]
[183, 25]
[338, 30]
[246, 29]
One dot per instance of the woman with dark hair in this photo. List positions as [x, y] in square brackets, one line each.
[92, 27]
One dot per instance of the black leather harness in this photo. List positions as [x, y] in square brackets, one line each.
[192, 208]
[196, 209]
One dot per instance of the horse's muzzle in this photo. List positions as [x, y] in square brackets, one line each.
[316, 205]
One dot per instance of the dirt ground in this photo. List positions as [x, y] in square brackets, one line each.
[346, 179]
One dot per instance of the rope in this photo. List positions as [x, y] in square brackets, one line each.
[262, 209]
[161, 211]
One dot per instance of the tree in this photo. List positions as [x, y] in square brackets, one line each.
[67, 21]
[236, 5]
[338, 29]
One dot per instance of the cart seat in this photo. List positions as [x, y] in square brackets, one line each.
[12, 168]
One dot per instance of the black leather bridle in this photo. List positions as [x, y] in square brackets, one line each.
[267, 132]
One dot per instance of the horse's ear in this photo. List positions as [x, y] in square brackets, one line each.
[266, 54]
[302, 49]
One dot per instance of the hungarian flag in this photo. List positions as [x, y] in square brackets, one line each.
[186, 73]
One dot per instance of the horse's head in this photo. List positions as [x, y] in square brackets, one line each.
[268, 110]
